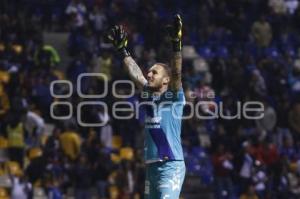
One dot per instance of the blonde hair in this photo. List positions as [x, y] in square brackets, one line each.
[166, 68]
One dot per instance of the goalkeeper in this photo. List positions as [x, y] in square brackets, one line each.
[165, 168]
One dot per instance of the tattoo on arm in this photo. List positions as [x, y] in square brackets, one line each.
[135, 72]
[176, 63]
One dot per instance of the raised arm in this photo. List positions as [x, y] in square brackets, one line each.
[118, 37]
[134, 71]
[175, 33]
[176, 65]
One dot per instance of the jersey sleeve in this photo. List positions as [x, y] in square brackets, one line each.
[180, 95]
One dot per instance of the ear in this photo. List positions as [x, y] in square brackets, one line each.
[166, 80]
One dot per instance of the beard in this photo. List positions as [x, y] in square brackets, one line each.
[154, 87]
[156, 84]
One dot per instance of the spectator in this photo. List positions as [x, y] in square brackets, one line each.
[98, 19]
[294, 118]
[258, 85]
[250, 193]
[262, 32]
[122, 183]
[53, 189]
[222, 161]
[278, 6]
[16, 136]
[260, 179]
[46, 55]
[104, 65]
[35, 126]
[291, 6]
[92, 147]
[70, 143]
[288, 149]
[21, 189]
[279, 135]
[281, 183]
[82, 178]
[294, 78]
[52, 145]
[76, 10]
[245, 172]
[4, 102]
[106, 131]
[268, 122]
[102, 171]
[293, 181]
[36, 169]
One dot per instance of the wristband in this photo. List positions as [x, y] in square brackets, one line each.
[123, 53]
[176, 45]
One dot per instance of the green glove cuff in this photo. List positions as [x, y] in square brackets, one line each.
[123, 52]
[177, 46]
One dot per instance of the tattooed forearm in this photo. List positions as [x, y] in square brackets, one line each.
[177, 63]
[176, 70]
[134, 71]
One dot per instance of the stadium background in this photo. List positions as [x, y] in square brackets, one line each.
[241, 50]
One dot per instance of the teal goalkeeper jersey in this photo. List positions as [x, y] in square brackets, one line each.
[163, 125]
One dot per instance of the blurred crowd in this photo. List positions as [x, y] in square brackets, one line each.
[239, 50]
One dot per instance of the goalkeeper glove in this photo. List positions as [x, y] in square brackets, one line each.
[118, 37]
[175, 33]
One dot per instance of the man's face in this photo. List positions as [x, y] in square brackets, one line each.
[157, 77]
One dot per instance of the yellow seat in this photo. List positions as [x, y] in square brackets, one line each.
[112, 177]
[126, 153]
[13, 168]
[17, 48]
[115, 158]
[136, 196]
[43, 139]
[4, 76]
[2, 172]
[2, 47]
[35, 152]
[59, 74]
[293, 166]
[37, 183]
[3, 193]
[3, 142]
[113, 192]
[116, 141]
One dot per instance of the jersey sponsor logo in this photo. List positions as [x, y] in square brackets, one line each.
[155, 120]
[151, 126]
[152, 122]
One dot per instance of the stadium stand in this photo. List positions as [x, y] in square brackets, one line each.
[241, 50]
